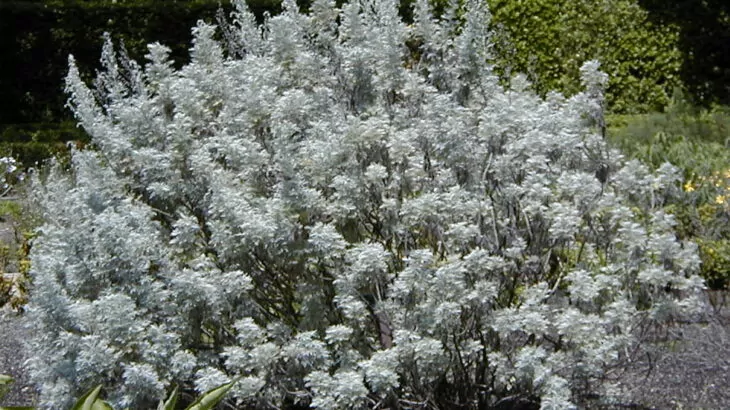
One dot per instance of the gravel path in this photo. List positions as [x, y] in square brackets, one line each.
[687, 368]
[13, 332]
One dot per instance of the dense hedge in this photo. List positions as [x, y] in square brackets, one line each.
[704, 39]
[550, 39]
[38, 36]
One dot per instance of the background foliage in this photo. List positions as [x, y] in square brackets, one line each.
[552, 38]
[646, 49]
[695, 140]
[704, 40]
[36, 37]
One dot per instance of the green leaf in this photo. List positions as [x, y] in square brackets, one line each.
[101, 405]
[90, 401]
[17, 408]
[171, 401]
[209, 399]
[5, 382]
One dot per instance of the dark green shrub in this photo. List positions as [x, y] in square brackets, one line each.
[716, 262]
[552, 38]
[32, 153]
[32, 143]
[36, 37]
[704, 35]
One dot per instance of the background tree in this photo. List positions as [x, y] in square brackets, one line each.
[551, 39]
[36, 37]
[705, 44]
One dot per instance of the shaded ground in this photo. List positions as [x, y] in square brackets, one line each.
[12, 328]
[687, 367]
[12, 333]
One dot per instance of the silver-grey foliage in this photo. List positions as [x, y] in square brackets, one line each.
[348, 212]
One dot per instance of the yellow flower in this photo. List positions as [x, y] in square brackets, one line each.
[689, 186]
[720, 199]
[726, 174]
